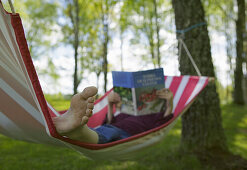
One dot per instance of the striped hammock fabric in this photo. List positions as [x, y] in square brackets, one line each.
[25, 114]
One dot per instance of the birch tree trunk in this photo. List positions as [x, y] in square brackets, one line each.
[201, 125]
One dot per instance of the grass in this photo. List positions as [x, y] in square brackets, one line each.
[21, 155]
[235, 126]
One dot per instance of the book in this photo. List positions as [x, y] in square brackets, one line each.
[138, 91]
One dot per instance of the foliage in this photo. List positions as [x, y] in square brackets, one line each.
[50, 70]
[225, 93]
[86, 28]
[39, 18]
[144, 18]
[138, 19]
[222, 16]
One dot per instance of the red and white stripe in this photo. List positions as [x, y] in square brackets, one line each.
[184, 89]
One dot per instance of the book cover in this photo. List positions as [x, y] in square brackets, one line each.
[138, 90]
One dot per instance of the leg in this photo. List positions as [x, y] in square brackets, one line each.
[73, 123]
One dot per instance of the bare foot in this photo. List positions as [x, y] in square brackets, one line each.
[79, 112]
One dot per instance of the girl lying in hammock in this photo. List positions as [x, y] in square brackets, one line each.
[73, 123]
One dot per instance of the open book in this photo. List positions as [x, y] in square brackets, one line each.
[138, 90]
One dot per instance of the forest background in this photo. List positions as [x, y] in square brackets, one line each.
[76, 43]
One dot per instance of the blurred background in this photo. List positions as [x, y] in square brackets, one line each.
[76, 43]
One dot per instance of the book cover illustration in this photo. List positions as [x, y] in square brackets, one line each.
[138, 91]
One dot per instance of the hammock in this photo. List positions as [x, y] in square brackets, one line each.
[25, 114]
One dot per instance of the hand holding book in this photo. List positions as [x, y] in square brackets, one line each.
[167, 95]
[113, 98]
[164, 94]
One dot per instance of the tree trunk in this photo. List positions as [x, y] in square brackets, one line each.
[150, 34]
[105, 52]
[229, 51]
[201, 125]
[245, 88]
[157, 32]
[105, 11]
[238, 74]
[151, 46]
[121, 48]
[75, 23]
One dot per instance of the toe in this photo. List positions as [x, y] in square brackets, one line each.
[88, 92]
[90, 106]
[84, 120]
[89, 112]
[90, 100]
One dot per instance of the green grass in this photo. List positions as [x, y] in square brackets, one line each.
[21, 155]
[235, 125]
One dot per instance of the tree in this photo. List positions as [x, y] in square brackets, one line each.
[202, 127]
[245, 59]
[238, 74]
[39, 19]
[123, 25]
[92, 53]
[144, 17]
[106, 23]
[202, 131]
[39, 22]
[105, 10]
[72, 12]
[221, 18]
[157, 28]
[75, 29]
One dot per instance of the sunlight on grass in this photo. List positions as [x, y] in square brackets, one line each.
[58, 102]
[243, 122]
[120, 166]
[241, 143]
[235, 125]
[176, 132]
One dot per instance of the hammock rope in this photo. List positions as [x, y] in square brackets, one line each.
[191, 27]
[182, 44]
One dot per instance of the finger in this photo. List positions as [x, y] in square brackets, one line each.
[118, 98]
[162, 96]
[158, 92]
[162, 90]
[111, 94]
